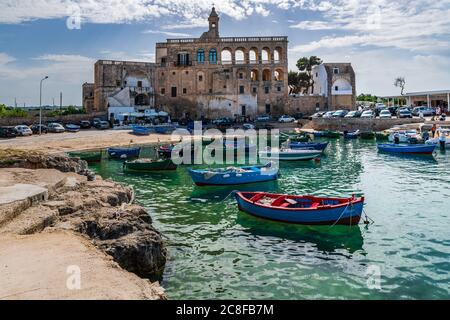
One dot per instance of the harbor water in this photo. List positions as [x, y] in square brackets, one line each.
[217, 252]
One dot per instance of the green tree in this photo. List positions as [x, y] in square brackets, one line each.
[305, 66]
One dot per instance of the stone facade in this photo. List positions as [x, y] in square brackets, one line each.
[336, 82]
[212, 76]
[307, 105]
[124, 84]
[88, 97]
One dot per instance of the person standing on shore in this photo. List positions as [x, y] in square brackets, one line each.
[442, 140]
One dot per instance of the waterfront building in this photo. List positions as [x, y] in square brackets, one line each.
[433, 98]
[213, 76]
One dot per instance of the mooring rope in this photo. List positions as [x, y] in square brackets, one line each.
[334, 224]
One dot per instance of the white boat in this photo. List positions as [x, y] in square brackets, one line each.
[405, 136]
[284, 154]
[436, 141]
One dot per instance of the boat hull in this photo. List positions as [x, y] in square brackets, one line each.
[150, 166]
[290, 156]
[201, 178]
[348, 214]
[141, 131]
[90, 157]
[308, 145]
[119, 153]
[407, 149]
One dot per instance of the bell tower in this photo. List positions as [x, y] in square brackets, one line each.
[213, 24]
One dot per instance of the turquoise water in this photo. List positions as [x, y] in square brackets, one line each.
[217, 252]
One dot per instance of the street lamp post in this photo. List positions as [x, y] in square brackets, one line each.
[40, 105]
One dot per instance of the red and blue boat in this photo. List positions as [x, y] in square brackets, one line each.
[234, 175]
[307, 210]
[407, 148]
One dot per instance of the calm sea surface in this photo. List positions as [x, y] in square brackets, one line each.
[217, 252]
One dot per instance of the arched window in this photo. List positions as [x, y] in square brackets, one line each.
[267, 75]
[265, 56]
[253, 56]
[239, 56]
[201, 56]
[213, 56]
[254, 75]
[226, 57]
[277, 55]
[141, 100]
[278, 75]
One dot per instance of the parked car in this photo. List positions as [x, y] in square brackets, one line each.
[263, 118]
[368, 114]
[96, 122]
[393, 110]
[85, 124]
[404, 113]
[72, 128]
[8, 132]
[248, 126]
[385, 114]
[223, 122]
[35, 128]
[23, 130]
[378, 108]
[103, 125]
[286, 119]
[353, 114]
[298, 116]
[328, 114]
[426, 111]
[340, 114]
[317, 115]
[55, 128]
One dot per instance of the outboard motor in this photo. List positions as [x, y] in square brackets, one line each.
[396, 138]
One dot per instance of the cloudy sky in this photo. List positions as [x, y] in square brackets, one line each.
[63, 38]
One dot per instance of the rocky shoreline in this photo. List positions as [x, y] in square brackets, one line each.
[79, 202]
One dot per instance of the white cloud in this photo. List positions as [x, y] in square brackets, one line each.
[315, 25]
[167, 33]
[120, 11]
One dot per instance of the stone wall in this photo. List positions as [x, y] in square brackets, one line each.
[342, 124]
[307, 105]
[74, 118]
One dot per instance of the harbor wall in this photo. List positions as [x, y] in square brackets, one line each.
[73, 118]
[342, 124]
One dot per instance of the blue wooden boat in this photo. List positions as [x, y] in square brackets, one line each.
[164, 129]
[141, 131]
[233, 175]
[351, 135]
[309, 145]
[306, 210]
[124, 153]
[407, 148]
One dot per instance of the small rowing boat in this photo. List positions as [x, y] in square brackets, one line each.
[351, 135]
[306, 210]
[164, 129]
[326, 134]
[309, 145]
[234, 175]
[124, 153]
[289, 154]
[143, 165]
[141, 131]
[407, 148]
